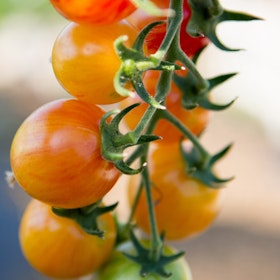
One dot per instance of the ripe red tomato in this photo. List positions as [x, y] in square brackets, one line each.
[94, 11]
[56, 155]
[119, 267]
[190, 45]
[196, 120]
[58, 247]
[85, 62]
[183, 205]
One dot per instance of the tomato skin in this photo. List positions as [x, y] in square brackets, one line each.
[184, 206]
[94, 11]
[119, 267]
[162, 3]
[85, 62]
[56, 155]
[196, 120]
[58, 247]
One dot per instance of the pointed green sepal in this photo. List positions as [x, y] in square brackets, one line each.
[87, 217]
[144, 95]
[206, 15]
[192, 96]
[140, 40]
[237, 16]
[202, 168]
[114, 142]
[206, 104]
[147, 138]
[147, 264]
[126, 169]
[134, 64]
[198, 54]
[220, 79]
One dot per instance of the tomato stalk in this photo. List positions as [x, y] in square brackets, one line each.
[147, 124]
[173, 27]
[199, 162]
[177, 123]
[156, 242]
[163, 85]
[202, 84]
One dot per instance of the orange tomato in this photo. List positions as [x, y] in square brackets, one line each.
[58, 247]
[196, 120]
[94, 11]
[183, 205]
[85, 62]
[56, 155]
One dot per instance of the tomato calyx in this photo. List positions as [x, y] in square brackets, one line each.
[135, 63]
[114, 142]
[205, 17]
[192, 96]
[149, 265]
[195, 93]
[87, 217]
[200, 166]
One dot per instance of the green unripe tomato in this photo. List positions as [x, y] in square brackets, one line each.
[119, 267]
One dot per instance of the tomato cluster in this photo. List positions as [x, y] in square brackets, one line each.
[68, 154]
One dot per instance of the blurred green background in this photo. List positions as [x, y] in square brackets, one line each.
[244, 242]
[8, 7]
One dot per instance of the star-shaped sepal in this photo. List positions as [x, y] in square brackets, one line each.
[114, 142]
[149, 265]
[193, 95]
[201, 165]
[206, 15]
[87, 217]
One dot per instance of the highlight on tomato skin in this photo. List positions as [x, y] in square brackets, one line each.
[58, 247]
[56, 155]
[85, 63]
[184, 206]
[99, 12]
[196, 119]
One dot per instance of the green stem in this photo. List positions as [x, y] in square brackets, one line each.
[173, 27]
[148, 118]
[177, 123]
[163, 87]
[156, 242]
[165, 79]
[134, 205]
[203, 84]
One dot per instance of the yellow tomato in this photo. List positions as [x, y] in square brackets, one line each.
[85, 62]
[58, 247]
